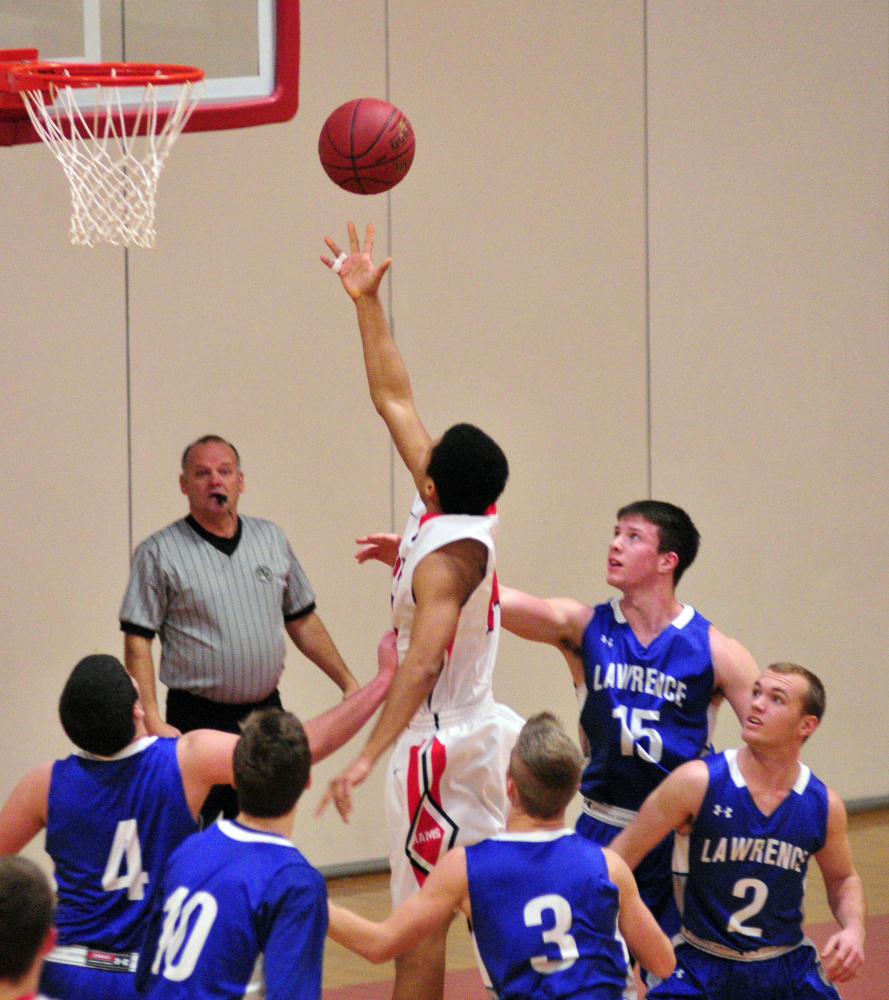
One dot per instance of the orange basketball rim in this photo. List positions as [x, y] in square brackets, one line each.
[113, 152]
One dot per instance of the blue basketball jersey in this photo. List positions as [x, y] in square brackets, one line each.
[544, 915]
[111, 825]
[229, 896]
[647, 709]
[746, 871]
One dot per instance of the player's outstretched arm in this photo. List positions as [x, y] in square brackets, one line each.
[735, 671]
[335, 727]
[673, 805]
[205, 755]
[843, 955]
[387, 378]
[646, 941]
[558, 621]
[431, 908]
[23, 815]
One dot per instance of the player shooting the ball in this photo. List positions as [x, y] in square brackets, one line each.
[446, 782]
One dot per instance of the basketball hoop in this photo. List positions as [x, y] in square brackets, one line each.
[113, 154]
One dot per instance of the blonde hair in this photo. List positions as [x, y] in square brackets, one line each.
[545, 766]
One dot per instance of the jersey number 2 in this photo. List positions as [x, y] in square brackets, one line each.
[760, 895]
[558, 934]
[125, 845]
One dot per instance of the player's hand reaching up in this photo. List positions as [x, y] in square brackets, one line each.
[339, 791]
[387, 652]
[382, 547]
[356, 269]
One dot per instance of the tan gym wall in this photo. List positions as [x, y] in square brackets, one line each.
[645, 245]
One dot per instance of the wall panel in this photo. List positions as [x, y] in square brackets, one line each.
[769, 139]
[63, 545]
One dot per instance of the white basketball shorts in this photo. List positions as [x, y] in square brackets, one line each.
[446, 787]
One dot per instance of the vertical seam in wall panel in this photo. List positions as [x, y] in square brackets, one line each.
[129, 398]
[391, 275]
[647, 244]
[126, 301]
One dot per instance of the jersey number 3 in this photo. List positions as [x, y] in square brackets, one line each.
[125, 846]
[557, 935]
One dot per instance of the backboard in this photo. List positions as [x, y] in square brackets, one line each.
[249, 50]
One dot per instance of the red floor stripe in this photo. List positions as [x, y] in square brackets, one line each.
[873, 981]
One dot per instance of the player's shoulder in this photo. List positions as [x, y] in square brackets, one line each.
[729, 655]
[443, 529]
[273, 851]
[691, 780]
[37, 781]
[291, 872]
[619, 871]
[722, 643]
[459, 563]
[606, 614]
[837, 816]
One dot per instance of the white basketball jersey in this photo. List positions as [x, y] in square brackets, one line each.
[465, 680]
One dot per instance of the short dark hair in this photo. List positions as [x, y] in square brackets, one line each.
[96, 707]
[546, 766]
[26, 912]
[272, 760]
[676, 530]
[209, 439]
[815, 697]
[469, 470]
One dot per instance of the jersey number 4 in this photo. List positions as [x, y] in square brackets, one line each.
[125, 847]
[557, 935]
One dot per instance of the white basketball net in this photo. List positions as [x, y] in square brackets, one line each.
[112, 170]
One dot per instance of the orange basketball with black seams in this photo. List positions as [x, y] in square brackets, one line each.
[366, 146]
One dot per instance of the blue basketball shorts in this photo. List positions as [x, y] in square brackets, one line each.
[796, 975]
[654, 873]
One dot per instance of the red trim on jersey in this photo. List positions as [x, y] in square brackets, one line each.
[495, 599]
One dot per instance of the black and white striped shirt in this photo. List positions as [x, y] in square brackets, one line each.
[218, 606]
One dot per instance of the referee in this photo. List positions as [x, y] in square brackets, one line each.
[216, 588]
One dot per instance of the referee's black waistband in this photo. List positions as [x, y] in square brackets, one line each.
[187, 711]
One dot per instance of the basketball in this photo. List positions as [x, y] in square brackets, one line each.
[366, 146]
